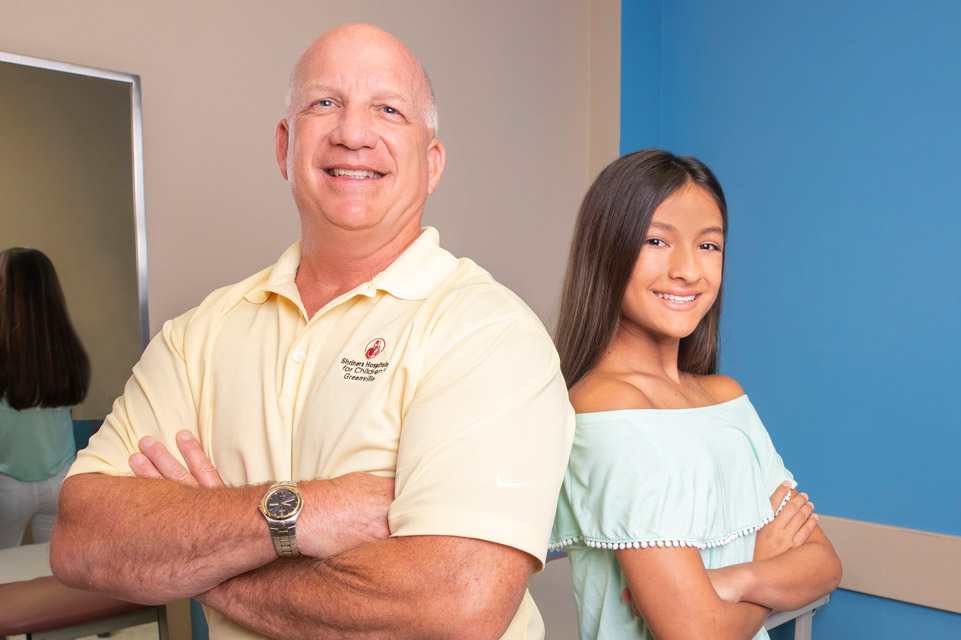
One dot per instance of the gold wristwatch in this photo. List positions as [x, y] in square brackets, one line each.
[281, 506]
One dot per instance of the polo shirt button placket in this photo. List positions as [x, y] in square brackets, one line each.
[291, 382]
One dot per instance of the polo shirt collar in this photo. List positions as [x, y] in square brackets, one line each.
[418, 271]
[281, 279]
[414, 275]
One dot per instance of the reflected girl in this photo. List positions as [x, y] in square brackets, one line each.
[44, 371]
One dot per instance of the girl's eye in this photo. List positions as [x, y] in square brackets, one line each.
[655, 242]
[710, 246]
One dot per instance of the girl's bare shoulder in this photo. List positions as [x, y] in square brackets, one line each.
[721, 388]
[599, 392]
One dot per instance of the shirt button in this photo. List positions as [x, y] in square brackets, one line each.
[299, 356]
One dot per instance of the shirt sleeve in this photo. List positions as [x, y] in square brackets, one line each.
[666, 478]
[772, 466]
[485, 442]
[156, 401]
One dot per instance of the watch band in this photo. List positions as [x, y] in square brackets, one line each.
[285, 539]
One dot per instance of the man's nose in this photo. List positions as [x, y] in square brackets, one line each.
[355, 128]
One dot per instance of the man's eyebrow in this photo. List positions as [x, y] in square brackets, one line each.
[386, 94]
[317, 86]
[391, 95]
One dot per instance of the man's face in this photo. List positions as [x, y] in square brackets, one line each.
[355, 146]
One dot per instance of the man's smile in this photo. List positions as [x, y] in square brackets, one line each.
[355, 174]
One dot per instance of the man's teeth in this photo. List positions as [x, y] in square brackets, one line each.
[354, 173]
[667, 296]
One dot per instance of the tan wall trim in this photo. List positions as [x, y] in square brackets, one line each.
[605, 108]
[920, 567]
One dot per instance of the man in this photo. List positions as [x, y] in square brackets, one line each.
[417, 404]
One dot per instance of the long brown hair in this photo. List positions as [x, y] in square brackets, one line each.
[608, 236]
[42, 363]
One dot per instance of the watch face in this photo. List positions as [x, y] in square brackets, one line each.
[281, 503]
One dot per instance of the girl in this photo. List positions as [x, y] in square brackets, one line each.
[668, 507]
[44, 371]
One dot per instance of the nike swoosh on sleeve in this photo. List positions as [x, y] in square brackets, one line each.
[506, 483]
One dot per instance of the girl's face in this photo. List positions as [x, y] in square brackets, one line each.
[678, 273]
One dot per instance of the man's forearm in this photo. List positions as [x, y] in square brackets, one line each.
[177, 531]
[418, 587]
[154, 541]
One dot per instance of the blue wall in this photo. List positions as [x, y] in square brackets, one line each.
[834, 128]
[198, 622]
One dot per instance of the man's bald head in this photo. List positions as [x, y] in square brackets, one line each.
[355, 35]
[358, 146]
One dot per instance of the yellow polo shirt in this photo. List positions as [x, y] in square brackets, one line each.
[432, 373]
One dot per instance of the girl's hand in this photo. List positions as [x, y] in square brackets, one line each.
[628, 597]
[789, 529]
[727, 582]
[779, 494]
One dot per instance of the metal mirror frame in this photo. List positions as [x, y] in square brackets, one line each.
[136, 148]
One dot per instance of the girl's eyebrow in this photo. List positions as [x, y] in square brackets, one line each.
[669, 227]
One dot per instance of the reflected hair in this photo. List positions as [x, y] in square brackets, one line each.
[608, 237]
[42, 362]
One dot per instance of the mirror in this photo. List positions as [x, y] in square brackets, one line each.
[71, 185]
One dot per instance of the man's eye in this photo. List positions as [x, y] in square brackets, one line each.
[324, 103]
[390, 110]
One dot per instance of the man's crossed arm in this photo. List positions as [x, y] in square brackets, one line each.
[177, 531]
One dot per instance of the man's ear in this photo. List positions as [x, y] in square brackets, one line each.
[282, 139]
[436, 160]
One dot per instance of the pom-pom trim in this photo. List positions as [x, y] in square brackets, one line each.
[650, 544]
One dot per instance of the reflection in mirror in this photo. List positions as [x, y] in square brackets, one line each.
[71, 185]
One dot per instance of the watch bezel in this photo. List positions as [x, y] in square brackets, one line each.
[271, 492]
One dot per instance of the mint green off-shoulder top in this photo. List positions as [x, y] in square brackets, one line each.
[653, 478]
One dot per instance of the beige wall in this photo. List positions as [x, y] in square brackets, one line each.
[513, 83]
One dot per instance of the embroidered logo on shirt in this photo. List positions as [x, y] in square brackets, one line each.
[374, 347]
[365, 370]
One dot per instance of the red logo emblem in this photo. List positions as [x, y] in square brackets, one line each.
[374, 347]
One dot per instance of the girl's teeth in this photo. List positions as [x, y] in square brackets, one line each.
[667, 296]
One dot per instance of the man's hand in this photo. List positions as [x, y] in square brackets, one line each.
[351, 511]
[790, 528]
[154, 461]
[346, 512]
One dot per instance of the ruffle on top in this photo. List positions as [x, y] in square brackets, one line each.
[641, 478]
